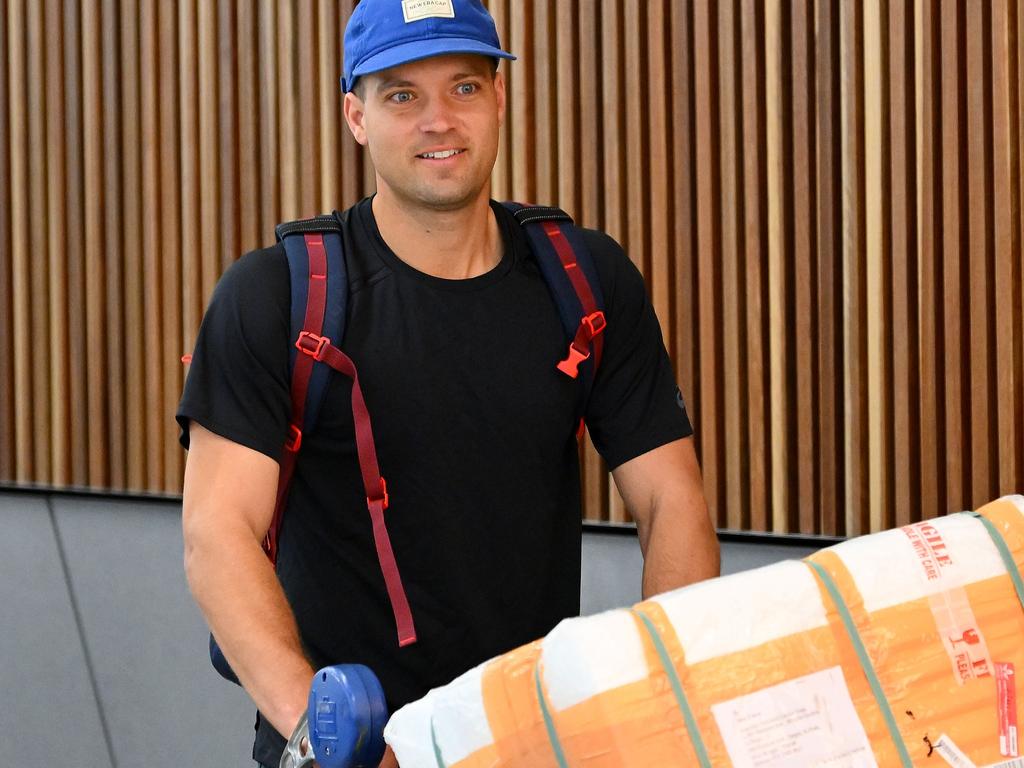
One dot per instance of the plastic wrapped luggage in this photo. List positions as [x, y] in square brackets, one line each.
[894, 649]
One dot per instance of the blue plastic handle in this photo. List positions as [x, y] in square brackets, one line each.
[347, 715]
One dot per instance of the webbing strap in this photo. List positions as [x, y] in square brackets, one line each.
[376, 491]
[677, 689]
[303, 371]
[579, 283]
[1004, 552]
[549, 722]
[437, 748]
[865, 662]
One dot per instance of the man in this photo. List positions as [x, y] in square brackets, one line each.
[456, 337]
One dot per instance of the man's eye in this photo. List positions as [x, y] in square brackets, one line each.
[401, 97]
[466, 89]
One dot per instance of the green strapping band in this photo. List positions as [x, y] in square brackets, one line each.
[1004, 552]
[437, 749]
[677, 689]
[865, 662]
[549, 723]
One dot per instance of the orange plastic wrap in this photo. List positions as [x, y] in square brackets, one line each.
[894, 649]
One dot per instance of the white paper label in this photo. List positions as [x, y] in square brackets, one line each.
[809, 721]
[950, 752]
[414, 10]
[1015, 763]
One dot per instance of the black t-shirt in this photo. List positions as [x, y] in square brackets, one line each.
[476, 436]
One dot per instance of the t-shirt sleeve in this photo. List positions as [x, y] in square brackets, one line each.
[237, 384]
[635, 405]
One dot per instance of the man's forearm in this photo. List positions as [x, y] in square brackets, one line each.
[680, 548]
[238, 592]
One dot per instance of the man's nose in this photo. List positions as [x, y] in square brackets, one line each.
[438, 116]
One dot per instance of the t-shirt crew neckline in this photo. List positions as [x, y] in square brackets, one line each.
[369, 223]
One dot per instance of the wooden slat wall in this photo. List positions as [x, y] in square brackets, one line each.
[825, 199]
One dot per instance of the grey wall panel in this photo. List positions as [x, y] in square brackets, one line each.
[164, 704]
[49, 711]
[613, 566]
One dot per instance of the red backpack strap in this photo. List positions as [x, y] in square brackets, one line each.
[571, 276]
[302, 371]
[321, 349]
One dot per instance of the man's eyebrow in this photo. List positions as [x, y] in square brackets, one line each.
[393, 83]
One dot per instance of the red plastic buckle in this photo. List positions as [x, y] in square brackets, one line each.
[384, 499]
[294, 440]
[311, 344]
[571, 365]
[595, 322]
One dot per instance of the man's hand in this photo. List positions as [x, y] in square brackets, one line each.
[664, 492]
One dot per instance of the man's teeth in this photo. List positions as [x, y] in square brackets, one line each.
[442, 155]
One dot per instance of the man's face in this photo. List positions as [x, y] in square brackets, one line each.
[431, 128]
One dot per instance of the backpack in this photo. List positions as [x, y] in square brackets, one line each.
[319, 299]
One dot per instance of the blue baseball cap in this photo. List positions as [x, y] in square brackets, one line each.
[385, 33]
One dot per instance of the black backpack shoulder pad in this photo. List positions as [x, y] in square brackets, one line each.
[529, 214]
[325, 223]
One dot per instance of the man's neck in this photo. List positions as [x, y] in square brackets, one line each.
[456, 244]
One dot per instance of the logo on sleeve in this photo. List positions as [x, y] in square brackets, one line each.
[679, 399]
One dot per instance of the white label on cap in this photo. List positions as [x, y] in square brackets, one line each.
[414, 10]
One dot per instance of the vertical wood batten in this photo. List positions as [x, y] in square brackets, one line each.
[776, 317]
[903, 248]
[95, 428]
[38, 284]
[74, 245]
[801, 371]
[730, 255]
[854, 342]
[269, 109]
[1006, 168]
[170, 346]
[230, 81]
[7, 384]
[954, 245]
[208, 164]
[542, 88]
[567, 108]
[708, 285]
[978, 255]
[113, 256]
[829, 349]
[134, 279]
[328, 56]
[308, 112]
[247, 138]
[149, 76]
[754, 247]
[18, 126]
[929, 216]
[875, 128]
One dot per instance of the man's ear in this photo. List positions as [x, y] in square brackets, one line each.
[499, 92]
[355, 114]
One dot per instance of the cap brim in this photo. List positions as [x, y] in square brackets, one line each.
[425, 49]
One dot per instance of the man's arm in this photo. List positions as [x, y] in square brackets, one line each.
[664, 492]
[229, 498]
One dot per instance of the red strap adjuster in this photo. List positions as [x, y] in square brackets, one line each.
[383, 499]
[591, 326]
[311, 344]
[294, 440]
[595, 322]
